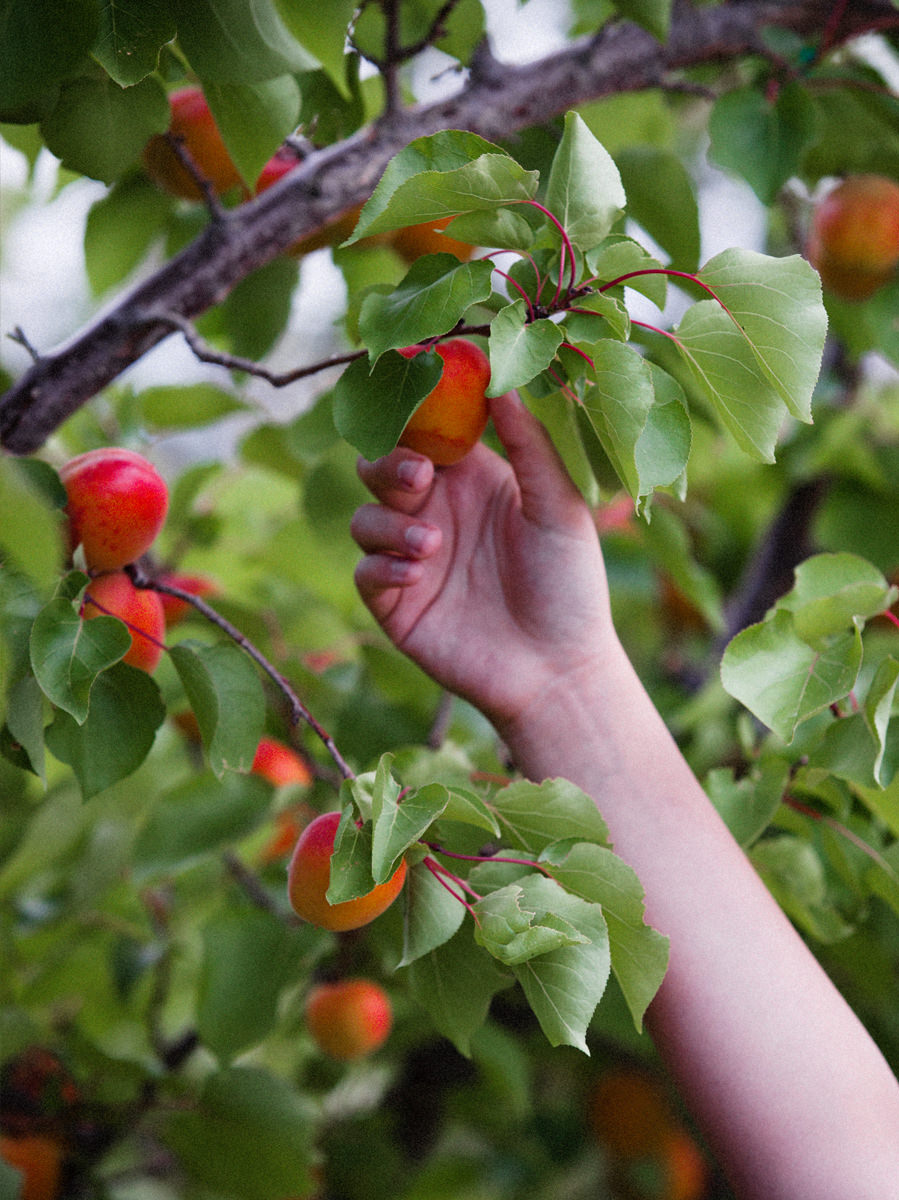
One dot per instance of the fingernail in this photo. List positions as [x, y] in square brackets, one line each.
[409, 472]
[420, 538]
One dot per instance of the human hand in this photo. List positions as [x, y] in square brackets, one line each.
[488, 573]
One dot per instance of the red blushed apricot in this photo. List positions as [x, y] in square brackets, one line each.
[141, 610]
[452, 417]
[309, 876]
[193, 123]
[413, 241]
[279, 764]
[39, 1158]
[117, 503]
[854, 238]
[348, 1019]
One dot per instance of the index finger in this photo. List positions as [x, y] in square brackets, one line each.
[401, 479]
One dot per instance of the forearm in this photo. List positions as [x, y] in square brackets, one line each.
[787, 1084]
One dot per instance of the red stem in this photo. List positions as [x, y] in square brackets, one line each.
[485, 858]
[891, 616]
[567, 248]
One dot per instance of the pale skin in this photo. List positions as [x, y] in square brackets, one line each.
[489, 574]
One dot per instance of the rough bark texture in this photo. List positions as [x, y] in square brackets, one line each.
[496, 101]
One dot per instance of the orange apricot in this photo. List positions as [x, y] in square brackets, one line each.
[309, 876]
[413, 241]
[331, 234]
[452, 417]
[279, 763]
[854, 238]
[115, 595]
[39, 1158]
[193, 124]
[348, 1019]
[116, 504]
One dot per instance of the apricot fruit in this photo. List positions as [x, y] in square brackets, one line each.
[348, 1019]
[331, 234]
[117, 503]
[309, 876]
[194, 125]
[452, 417]
[629, 1113]
[854, 238]
[39, 1158]
[279, 763]
[413, 241]
[115, 595]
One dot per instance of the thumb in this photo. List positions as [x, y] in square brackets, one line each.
[548, 495]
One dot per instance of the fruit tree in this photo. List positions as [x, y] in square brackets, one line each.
[311, 232]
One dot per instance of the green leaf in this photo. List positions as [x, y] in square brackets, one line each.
[661, 198]
[99, 129]
[432, 915]
[617, 256]
[471, 810]
[25, 721]
[186, 406]
[519, 349]
[249, 1138]
[781, 678]
[125, 711]
[584, 191]
[131, 38]
[653, 15]
[639, 953]
[731, 378]
[795, 875]
[322, 30]
[854, 746]
[248, 958]
[51, 831]
[533, 815]
[564, 986]
[350, 873]
[237, 41]
[399, 822]
[121, 228]
[33, 540]
[371, 407]
[759, 139]
[254, 119]
[443, 175]
[43, 42]
[832, 592]
[226, 695]
[514, 933]
[618, 403]
[68, 653]
[748, 804]
[777, 304]
[431, 300]
[198, 818]
[454, 984]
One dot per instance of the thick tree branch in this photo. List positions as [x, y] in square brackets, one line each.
[497, 101]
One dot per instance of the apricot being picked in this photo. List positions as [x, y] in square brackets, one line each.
[117, 503]
[452, 417]
[309, 877]
[854, 237]
[115, 595]
[348, 1019]
[193, 124]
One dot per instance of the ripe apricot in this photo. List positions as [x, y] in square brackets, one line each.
[289, 824]
[193, 124]
[39, 1158]
[686, 1169]
[117, 503]
[309, 876]
[629, 1113]
[348, 1019]
[329, 235]
[854, 237]
[452, 417]
[141, 609]
[413, 241]
[279, 763]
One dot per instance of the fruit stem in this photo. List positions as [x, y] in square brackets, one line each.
[567, 248]
[891, 616]
[491, 858]
[441, 874]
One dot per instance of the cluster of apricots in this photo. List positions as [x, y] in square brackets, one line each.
[193, 127]
[853, 242]
[651, 1154]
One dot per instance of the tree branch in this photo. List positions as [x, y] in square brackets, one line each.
[497, 101]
